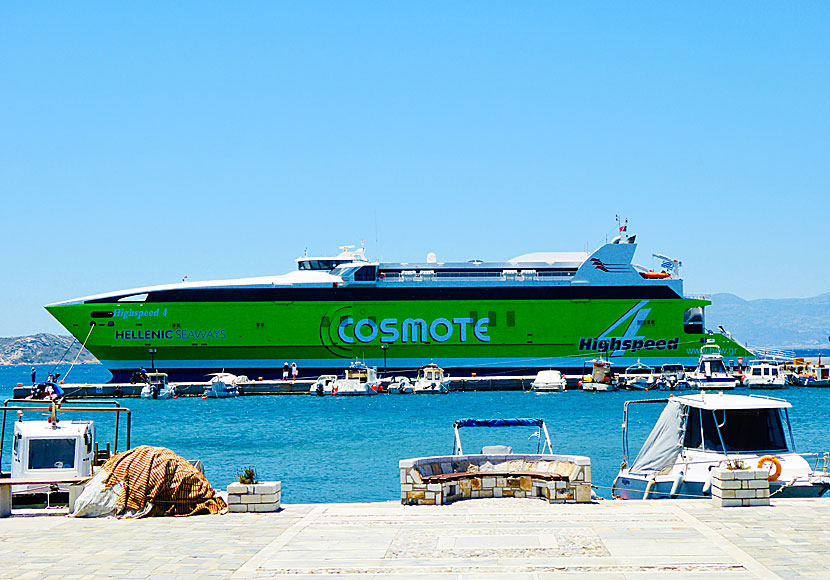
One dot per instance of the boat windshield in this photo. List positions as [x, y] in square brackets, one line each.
[743, 430]
[51, 453]
[710, 367]
[672, 368]
[639, 371]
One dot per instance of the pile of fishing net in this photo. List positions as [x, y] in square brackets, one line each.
[147, 481]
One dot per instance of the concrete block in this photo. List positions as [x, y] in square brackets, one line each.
[264, 507]
[723, 474]
[488, 482]
[406, 487]
[748, 474]
[758, 501]
[762, 493]
[433, 487]
[238, 507]
[269, 498]
[729, 484]
[758, 484]
[234, 498]
[744, 493]
[582, 493]
[267, 487]
[252, 498]
[721, 502]
[497, 492]
[237, 488]
[727, 493]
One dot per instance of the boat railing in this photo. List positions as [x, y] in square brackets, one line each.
[56, 406]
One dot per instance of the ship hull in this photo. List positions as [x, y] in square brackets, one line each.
[500, 333]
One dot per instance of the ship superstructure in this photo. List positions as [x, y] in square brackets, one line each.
[534, 312]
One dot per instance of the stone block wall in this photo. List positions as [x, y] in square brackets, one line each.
[258, 497]
[490, 476]
[740, 487]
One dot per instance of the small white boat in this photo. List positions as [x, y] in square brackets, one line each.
[599, 379]
[157, 387]
[710, 372]
[223, 385]
[639, 377]
[358, 380]
[401, 386]
[431, 380]
[548, 381]
[764, 374]
[324, 385]
[695, 433]
[673, 377]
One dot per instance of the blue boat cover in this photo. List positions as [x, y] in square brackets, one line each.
[499, 422]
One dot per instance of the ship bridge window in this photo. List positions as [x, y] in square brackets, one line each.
[366, 274]
[51, 453]
[102, 314]
[693, 321]
[743, 430]
[318, 264]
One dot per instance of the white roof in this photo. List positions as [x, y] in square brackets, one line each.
[44, 428]
[551, 257]
[720, 401]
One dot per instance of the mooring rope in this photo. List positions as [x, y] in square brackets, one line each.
[91, 327]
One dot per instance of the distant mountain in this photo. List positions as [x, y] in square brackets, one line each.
[42, 349]
[783, 323]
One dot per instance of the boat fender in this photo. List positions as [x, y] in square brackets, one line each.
[774, 460]
[708, 484]
[678, 481]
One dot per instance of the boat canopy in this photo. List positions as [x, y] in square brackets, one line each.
[499, 423]
[664, 442]
[721, 402]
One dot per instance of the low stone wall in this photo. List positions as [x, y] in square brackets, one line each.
[258, 497]
[445, 479]
[740, 487]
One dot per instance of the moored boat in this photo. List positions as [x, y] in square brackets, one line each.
[549, 381]
[358, 379]
[710, 373]
[431, 380]
[223, 385]
[764, 374]
[324, 385]
[158, 387]
[696, 433]
[673, 377]
[638, 377]
[599, 378]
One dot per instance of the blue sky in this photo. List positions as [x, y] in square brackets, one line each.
[141, 143]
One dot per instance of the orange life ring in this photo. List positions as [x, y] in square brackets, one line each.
[774, 460]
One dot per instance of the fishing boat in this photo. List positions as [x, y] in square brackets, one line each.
[710, 372]
[324, 385]
[599, 378]
[536, 311]
[158, 387]
[358, 379]
[431, 380]
[638, 377]
[764, 374]
[57, 448]
[223, 385]
[696, 433]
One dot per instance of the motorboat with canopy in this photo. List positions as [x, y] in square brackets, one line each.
[710, 372]
[696, 433]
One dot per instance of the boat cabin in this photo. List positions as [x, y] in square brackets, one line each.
[42, 449]
[600, 370]
[431, 372]
[157, 380]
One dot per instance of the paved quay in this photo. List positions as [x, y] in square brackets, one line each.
[515, 539]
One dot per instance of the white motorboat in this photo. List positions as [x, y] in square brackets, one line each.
[764, 374]
[401, 386]
[431, 380]
[358, 380]
[600, 378]
[638, 377]
[324, 385]
[548, 381]
[223, 385]
[673, 377]
[710, 372]
[695, 433]
[157, 387]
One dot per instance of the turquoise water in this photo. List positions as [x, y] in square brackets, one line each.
[329, 449]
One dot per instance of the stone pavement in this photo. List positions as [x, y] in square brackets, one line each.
[510, 539]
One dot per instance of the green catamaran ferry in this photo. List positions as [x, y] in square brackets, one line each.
[537, 311]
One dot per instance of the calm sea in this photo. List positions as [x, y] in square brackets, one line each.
[329, 449]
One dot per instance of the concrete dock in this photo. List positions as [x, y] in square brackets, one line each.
[504, 539]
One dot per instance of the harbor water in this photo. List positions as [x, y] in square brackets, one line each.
[346, 449]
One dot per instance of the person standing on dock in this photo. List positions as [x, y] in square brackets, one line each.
[34, 375]
[285, 371]
[294, 371]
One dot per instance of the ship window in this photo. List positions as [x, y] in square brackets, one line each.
[693, 321]
[511, 318]
[492, 316]
[102, 314]
[743, 430]
[51, 453]
[366, 274]
[756, 372]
